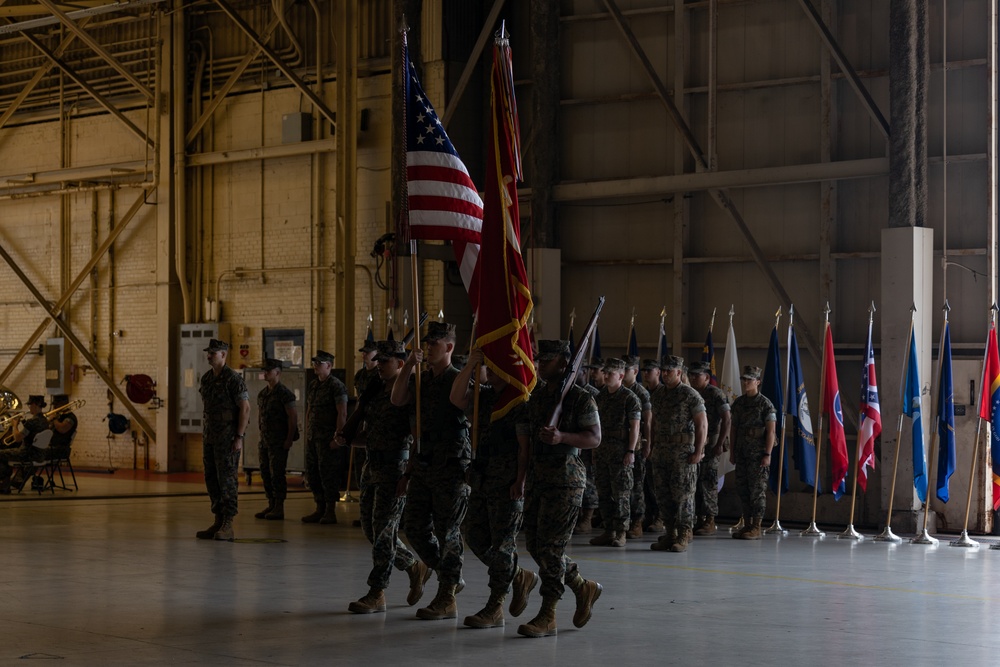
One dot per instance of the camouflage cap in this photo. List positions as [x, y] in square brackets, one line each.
[750, 373]
[672, 362]
[701, 367]
[631, 360]
[436, 330]
[323, 356]
[550, 349]
[270, 364]
[216, 345]
[390, 349]
[613, 365]
[650, 365]
[368, 346]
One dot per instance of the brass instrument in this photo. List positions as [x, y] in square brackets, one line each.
[9, 438]
[8, 403]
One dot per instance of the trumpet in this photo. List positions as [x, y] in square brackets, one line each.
[7, 422]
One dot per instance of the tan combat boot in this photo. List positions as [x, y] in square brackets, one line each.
[618, 540]
[635, 530]
[603, 540]
[442, 606]
[419, 574]
[264, 512]
[583, 523]
[210, 532]
[684, 538]
[544, 624]
[524, 582]
[707, 528]
[371, 603]
[656, 527]
[490, 616]
[666, 540]
[741, 527]
[330, 516]
[225, 532]
[316, 515]
[586, 593]
[277, 512]
[753, 532]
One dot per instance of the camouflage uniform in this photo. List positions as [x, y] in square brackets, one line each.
[324, 466]
[494, 520]
[750, 417]
[388, 438]
[591, 501]
[272, 405]
[555, 483]
[637, 501]
[707, 495]
[438, 497]
[675, 479]
[614, 480]
[363, 377]
[221, 396]
[651, 511]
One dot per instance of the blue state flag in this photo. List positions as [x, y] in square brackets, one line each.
[911, 408]
[633, 344]
[946, 420]
[770, 387]
[800, 428]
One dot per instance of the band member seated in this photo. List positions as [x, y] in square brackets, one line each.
[63, 424]
[29, 440]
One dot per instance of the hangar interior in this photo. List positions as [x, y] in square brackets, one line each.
[229, 167]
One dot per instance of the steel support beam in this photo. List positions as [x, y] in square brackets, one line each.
[470, 65]
[314, 147]
[721, 197]
[278, 62]
[100, 99]
[97, 48]
[845, 66]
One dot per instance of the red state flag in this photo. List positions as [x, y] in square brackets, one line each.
[839, 461]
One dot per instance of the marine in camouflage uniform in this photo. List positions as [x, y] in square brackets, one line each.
[651, 511]
[369, 367]
[637, 501]
[326, 412]
[717, 414]
[224, 423]
[24, 449]
[555, 484]
[388, 437]
[584, 524]
[678, 446]
[752, 438]
[277, 422]
[620, 412]
[437, 495]
[496, 502]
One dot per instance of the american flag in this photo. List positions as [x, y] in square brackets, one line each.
[870, 425]
[444, 203]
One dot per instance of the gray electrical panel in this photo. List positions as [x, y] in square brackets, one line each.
[193, 361]
[56, 366]
[295, 379]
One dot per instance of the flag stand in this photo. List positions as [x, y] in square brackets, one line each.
[813, 530]
[776, 528]
[925, 537]
[964, 540]
[887, 535]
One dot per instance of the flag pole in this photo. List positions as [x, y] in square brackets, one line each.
[475, 390]
[663, 334]
[572, 320]
[925, 537]
[711, 322]
[887, 535]
[964, 540]
[776, 528]
[849, 533]
[813, 530]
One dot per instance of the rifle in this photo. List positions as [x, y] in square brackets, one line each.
[569, 378]
[353, 423]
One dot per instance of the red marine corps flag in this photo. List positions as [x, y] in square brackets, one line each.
[504, 304]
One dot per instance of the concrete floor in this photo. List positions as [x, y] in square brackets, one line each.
[94, 580]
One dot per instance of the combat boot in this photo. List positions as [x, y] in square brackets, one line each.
[315, 516]
[371, 603]
[699, 521]
[225, 532]
[490, 616]
[419, 574]
[277, 512]
[741, 527]
[618, 540]
[684, 538]
[753, 532]
[524, 582]
[635, 530]
[210, 532]
[666, 540]
[656, 527]
[583, 523]
[330, 516]
[264, 512]
[544, 624]
[442, 606]
[603, 540]
[707, 528]
[586, 593]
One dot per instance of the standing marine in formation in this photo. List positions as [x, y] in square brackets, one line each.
[717, 415]
[278, 422]
[326, 412]
[752, 438]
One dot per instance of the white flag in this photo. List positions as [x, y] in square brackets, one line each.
[729, 383]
